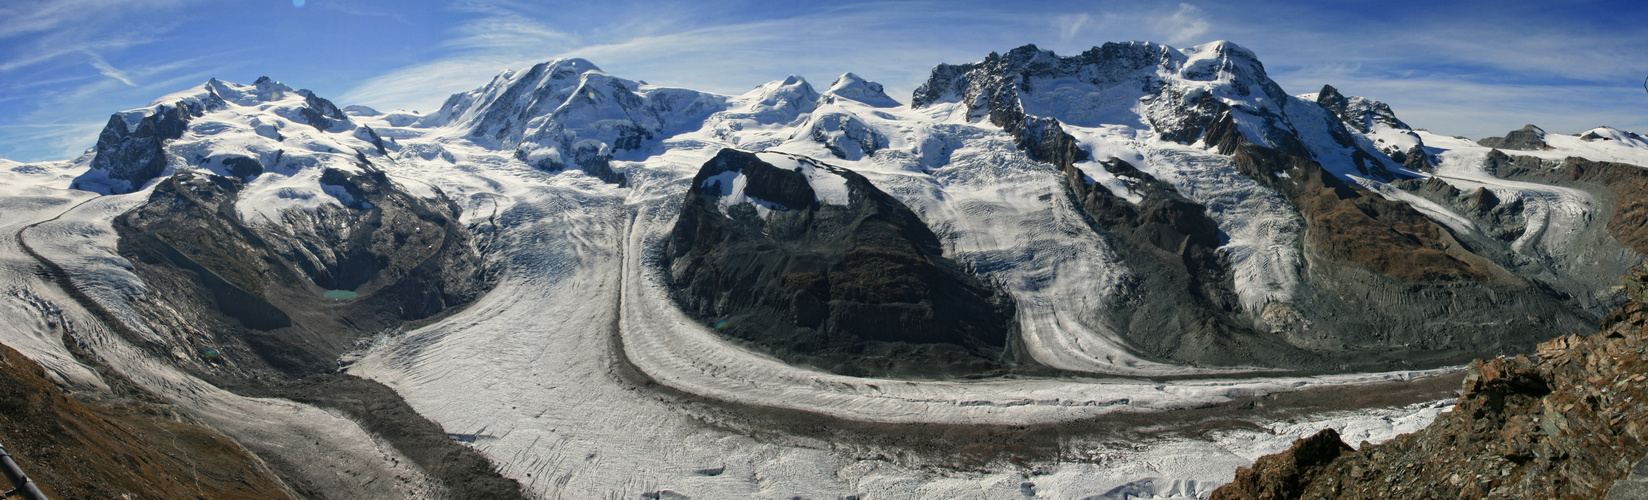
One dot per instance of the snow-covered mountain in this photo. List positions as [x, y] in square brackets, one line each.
[572, 273]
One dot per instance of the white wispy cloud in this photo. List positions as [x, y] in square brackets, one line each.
[1070, 25]
[107, 69]
[1184, 26]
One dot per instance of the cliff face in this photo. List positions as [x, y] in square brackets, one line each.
[1567, 422]
[815, 264]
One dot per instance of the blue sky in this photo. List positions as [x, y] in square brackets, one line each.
[1460, 68]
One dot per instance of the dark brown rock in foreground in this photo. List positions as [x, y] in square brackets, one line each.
[72, 449]
[1568, 422]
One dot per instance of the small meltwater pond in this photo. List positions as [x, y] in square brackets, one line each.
[340, 294]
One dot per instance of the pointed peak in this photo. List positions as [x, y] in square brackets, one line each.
[1226, 47]
[846, 79]
[789, 85]
[574, 64]
[1328, 92]
[852, 87]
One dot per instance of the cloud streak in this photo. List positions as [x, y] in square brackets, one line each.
[1184, 26]
[107, 69]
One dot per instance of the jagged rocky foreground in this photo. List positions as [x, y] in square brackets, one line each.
[1037, 278]
[1566, 422]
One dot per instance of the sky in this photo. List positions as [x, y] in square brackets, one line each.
[1472, 69]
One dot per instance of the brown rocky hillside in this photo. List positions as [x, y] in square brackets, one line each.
[1568, 422]
[72, 449]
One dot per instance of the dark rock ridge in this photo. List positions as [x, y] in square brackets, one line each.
[1358, 113]
[1363, 115]
[1567, 422]
[1527, 138]
[860, 288]
[243, 303]
[1496, 218]
[319, 112]
[1188, 291]
[137, 155]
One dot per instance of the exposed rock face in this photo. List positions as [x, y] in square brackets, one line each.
[1417, 160]
[1496, 218]
[1358, 113]
[1353, 230]
[407, 258]
[816, 265]
[1285, 474]
[1566, 423]
[138, 155]
[1527, 138]
[845, 135]
[1350, 223]
[72, 449]
[320, 112]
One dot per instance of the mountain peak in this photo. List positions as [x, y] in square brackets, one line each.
[1527, 138]
[1223, 47]
[1358, 113]
[852, 87]
[793, 92]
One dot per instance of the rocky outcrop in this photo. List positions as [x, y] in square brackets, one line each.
[137, 154]
[1496, 218]
[136, 449]
[319, 112]
[1527, 138]
[1566, 422]
[1416, 159]
[814, 264]
[1358, 113]
[1285, 474]
[845, 135]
